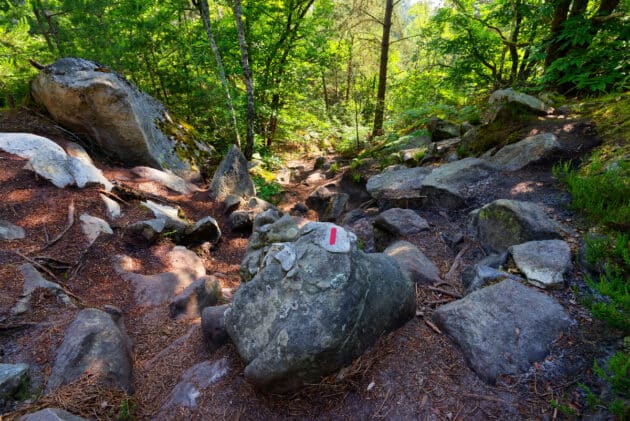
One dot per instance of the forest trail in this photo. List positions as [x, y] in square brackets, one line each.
[415, 372]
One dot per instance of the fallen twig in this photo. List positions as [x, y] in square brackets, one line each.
[450, 276]
[65, 230]
[443, 291]
[483, 397]
[113, 196]
[433, 327]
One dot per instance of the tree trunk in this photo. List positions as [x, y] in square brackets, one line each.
[247, 74]
[516, 27]
[382, 74]
[205, 14]
[560, 13]
[349, 70]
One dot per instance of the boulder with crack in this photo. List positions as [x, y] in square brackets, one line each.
[95, 343]
[315, 304]
[504, 328]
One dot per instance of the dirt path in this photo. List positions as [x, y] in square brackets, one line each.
[413, 373]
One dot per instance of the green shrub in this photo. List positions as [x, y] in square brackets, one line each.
[267, 190]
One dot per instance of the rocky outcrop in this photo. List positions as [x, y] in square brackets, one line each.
[314, 305]
[504, 328]
[50, 161]
[400, 188]
[232, 177]
[504, 223]
[544, 263]
[95, 343]
[529, 150]
[120, 119]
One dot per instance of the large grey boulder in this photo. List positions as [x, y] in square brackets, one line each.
[95, 343]
[315, 305]
[503, 328]
[400, 188]
[232, 177]
[529, 150]
[509, 95]
[13, 383]
[544, 263]
[504, 223]
[418, 267]
[50, 161]
[10, 232]
[51, 414]
[120, 119]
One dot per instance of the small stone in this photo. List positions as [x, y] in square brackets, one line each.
[204, 292]
[93, 227]
[213, 326]
[112, 207]
[10, 232]
[13, 382]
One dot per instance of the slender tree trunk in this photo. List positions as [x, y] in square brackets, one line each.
[560, 13]
[205, 14]
[349, 69]
[247, 74]
[382, 75]
[325, 89]
[516, 27]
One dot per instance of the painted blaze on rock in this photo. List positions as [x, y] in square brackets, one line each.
[315, 305]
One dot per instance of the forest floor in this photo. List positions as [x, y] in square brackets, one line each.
[412, 373]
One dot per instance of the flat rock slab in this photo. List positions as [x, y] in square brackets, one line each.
[544, 263]
[97, 344]
[51, 414]
[51, 162]
[504, 223]
[504, 328]
[10, 232]
[167, 179]
[398, 188]
[401, 222]
[529, 150]
[418, 267]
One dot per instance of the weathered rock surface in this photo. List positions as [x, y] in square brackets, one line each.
[510, 95]
[232, 177]
[503, 328]
[315, 304]
[10, 232]
[418, 267]
[92, 227]
[51, 162]
[529, 150]
[32, 281]
[204, 292]
[398, 188]
[213, 326]
[504, 223]
[544, 263]
[398, 221]
[119, 118]
[112, 207]
[51, 414]
[168, 214]
[13, 382]
[335, 208]
[149, 290]
[166, 178]
[194, 380]
[97, 344]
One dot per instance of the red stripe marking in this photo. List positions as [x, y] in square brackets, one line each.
[333, 236]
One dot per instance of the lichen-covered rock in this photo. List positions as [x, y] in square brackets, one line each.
[503, 328]
[95, 343]
[232, 177]
[315, 304]
[504, 223]
[120, 119]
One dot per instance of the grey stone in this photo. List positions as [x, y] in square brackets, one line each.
[231, 203]
[442, 130]
[504, 223]
[481, 276]
[149, 229]
[320, 198]
[232, 177]
[96, 344]
[401, 222]
[168, 214]
[205, 230]
[10, 232]
[149, 290]
[166, 178]
[529, 150]
[364, 230]
[83, 169]
[267, 217]
[503, 328]
[418, 267]
[243, 220]
[353, 216]
[13, 382]
[544, 263]
[294, 327]
[32, 281]
[195, 379]
[204, 292]
[51, 414]
[51, 162]
[398, 188]
[112, 207]
[510, 95]
[92, 227]
[118, 118]
[335, 208]
[213, 326]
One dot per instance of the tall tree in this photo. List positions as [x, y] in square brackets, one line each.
[202, 5]
[247, 75]
[382, 74]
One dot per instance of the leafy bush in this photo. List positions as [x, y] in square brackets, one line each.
[267, 190]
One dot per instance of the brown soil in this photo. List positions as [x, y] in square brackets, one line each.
[413, 373]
